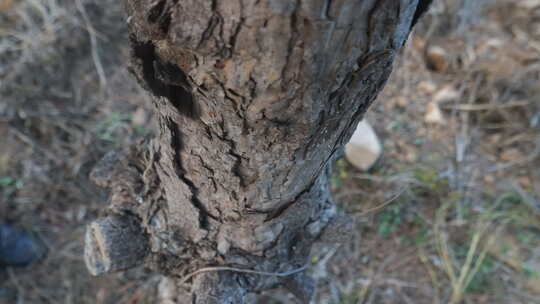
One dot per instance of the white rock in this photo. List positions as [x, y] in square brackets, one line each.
[434, 114]
[446, 94]
[139, 117]
[364, 148]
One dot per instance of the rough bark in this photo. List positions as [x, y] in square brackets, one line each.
[255, 99]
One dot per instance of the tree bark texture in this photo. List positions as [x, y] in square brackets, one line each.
[254, 99]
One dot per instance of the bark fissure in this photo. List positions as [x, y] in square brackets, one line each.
[214, 21]
[421, 9]
[176, 145]
[234, 36]
[164, 79]
[292, 39]
[156, 11]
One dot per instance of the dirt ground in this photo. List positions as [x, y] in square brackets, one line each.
[450, 214]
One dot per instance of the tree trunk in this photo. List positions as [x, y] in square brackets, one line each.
[255, 99]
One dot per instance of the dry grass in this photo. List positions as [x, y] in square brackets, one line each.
[476, 253]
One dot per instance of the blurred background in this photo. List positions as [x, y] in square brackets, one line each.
[449, 214]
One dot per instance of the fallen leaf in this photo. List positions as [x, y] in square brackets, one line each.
[437, 58]
[511, 154]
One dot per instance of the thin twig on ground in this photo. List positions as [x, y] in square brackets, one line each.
[225, 268]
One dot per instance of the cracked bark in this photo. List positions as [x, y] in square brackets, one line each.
[255, 99]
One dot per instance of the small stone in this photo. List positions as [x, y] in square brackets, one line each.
[139, 117]
[427, 87]
[167, 290]
[525, 181]
[446, 94]
[411, 156]
[18, 247]
[402, 102]
[437, 58]
[365, 259]
[223, 244]
[489, 178]
[364, 148]
[434, 114]
[495, 42]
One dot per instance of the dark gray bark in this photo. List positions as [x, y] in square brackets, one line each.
[255, 99]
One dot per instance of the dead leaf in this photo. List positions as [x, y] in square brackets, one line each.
[437, 58]
[511, 154]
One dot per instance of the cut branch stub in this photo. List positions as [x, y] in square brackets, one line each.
[114, 243]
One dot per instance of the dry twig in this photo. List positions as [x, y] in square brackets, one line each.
[225, 268]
